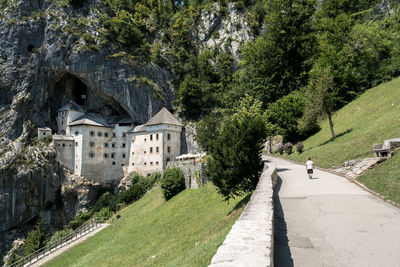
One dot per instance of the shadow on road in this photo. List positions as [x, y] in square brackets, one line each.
[282, 254]
[282, 169]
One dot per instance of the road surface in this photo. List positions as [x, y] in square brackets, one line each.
[330, 221]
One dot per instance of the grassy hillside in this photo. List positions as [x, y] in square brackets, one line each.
[185, 231]
[371, 118]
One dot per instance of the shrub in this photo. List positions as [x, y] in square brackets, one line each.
[173, 182]
[106, 200]
[299, 147]
[59, 235]
[279, 149]
[105, 212]
[288, 147]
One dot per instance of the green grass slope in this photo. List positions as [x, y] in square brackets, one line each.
[185, 231]
[371, 118]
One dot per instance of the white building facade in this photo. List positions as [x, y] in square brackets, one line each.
[155, 143]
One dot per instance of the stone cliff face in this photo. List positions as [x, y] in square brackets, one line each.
[43, 66]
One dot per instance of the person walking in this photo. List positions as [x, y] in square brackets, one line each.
[310, 168]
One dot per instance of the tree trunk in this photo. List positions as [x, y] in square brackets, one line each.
[331, 125]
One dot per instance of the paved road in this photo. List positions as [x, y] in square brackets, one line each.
[330, 221]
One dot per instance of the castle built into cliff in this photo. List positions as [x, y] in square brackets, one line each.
[105, 150]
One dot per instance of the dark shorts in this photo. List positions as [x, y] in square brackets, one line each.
[309, 171]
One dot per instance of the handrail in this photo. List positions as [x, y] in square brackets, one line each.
[92, 224]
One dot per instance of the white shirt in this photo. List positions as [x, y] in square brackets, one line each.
[309, 164]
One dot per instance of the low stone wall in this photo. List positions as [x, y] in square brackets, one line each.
[195, 174]
[250, 242]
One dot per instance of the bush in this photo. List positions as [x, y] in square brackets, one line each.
[279, 149]
[300, 147]
[59, 235]
[105, 212]
[173, 182]
[288, 147]
[106, 200]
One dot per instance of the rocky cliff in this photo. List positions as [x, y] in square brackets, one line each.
[45, 61]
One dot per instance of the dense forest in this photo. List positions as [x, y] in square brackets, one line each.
[308, 58]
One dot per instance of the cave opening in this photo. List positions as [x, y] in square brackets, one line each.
[31, 48]
[68, 87]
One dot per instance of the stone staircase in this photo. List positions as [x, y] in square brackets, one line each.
[78, 233]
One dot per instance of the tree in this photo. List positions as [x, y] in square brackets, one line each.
[172, 182]
[322, 98]
[278, 61]
[36, 239]
[235, 156]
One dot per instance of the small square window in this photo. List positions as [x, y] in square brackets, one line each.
[169, 136]
[44, 133]
[157, 149]
[156, 162]
[105, 134]
[145, 163]
[76, 133]
[99, 134]
[124, 135]
[92, 155]
[145, 139]
[133, 153]
[92, 143]
[122, 165]
[156, 136]
[112, 155]
[91, 133]
[169, 149]
[114, 135]
[123, 155]
[63, 145]
[151, 150]
[151, 137]
[76, 143]
[151, 163]
[133, 163]
[105, 144]
[105, 155]
[113, 163]
[113, 145]
[123, 145]
[58, 145]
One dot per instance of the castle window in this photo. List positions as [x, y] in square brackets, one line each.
[70, 145]
[145, 152]
[58, 144]
[151, 137]
[122, 165]
[105, 144]
[157, 149]
[133, 153]
[76, 143]
[105, 155]
[133, 163]
[105, 134]
[113, 163]
[156, 162]
[91, 133]
[151, 163]
[156, 136]
[113, 145]
[63, 144]
[114, 135]
[44, 133]
[151, 150]
[92, 155]
[112, 155]
[145, 163]
[124, 135]
[145, 139]
[169, 136]
[99, 134]
[123, 155]
[133, 140]
[169, 149]
[92, 143]
[123, 145]
[76, 133]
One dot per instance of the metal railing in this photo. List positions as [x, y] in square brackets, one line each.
[82, 230]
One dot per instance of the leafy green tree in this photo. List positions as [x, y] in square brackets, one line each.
[172, 182]
[285, 113]
[36, 238]
[278, 61]
[322, 98]
[235, 156]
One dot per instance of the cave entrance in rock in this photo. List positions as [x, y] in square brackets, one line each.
[73, 88]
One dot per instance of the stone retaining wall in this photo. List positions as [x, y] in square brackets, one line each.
[250, 242]
[195, 174]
